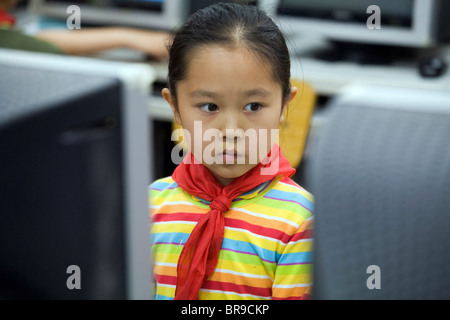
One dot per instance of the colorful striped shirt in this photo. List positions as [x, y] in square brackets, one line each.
[266, 252]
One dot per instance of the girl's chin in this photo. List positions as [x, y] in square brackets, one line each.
[226, 173]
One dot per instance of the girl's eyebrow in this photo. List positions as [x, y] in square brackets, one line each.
[260, 92]
[203, 93]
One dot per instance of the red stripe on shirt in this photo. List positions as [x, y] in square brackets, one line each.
[237, 288]
[263, 231]
[307, 234]
[177, 216]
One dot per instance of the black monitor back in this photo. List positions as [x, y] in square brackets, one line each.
[62, 185]
[380, 174]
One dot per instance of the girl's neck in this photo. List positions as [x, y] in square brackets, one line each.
[222, 180]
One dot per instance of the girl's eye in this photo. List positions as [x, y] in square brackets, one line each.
[252, 107]
[209, 107]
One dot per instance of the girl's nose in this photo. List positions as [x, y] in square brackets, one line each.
[231, 128]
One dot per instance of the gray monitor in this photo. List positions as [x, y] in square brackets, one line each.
[407, 23]
[74, 171]
[153, 14]
[380, 175]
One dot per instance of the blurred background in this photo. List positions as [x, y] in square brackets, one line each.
[367, 132]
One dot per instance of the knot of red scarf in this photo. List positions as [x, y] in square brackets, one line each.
[221, 203]
[200, 253]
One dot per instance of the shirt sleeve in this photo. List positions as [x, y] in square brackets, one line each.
[293, 276]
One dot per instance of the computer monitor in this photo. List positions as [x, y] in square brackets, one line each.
[74, 171]
[153, 14]
[403, 23]
[380, 175]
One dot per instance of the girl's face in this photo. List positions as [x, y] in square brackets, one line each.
[227, 96]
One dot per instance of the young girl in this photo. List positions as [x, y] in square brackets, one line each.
[228, 228]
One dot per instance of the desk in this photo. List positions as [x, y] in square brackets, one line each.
[329, 78]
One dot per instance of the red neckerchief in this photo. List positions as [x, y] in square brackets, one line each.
[6, 20]
[201, 251]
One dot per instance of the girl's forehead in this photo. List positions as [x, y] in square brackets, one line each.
[216, 61]
[219, 50]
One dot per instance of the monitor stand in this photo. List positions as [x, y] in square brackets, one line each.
[363, 53]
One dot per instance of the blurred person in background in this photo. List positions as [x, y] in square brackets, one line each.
[81, 41]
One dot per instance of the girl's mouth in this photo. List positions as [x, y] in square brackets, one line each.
[230, 156]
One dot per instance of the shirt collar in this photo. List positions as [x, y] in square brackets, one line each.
[244, 196]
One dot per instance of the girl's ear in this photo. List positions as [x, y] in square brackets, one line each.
[171, 101]
[294, 91]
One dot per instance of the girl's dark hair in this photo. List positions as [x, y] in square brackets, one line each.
[230, 24]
